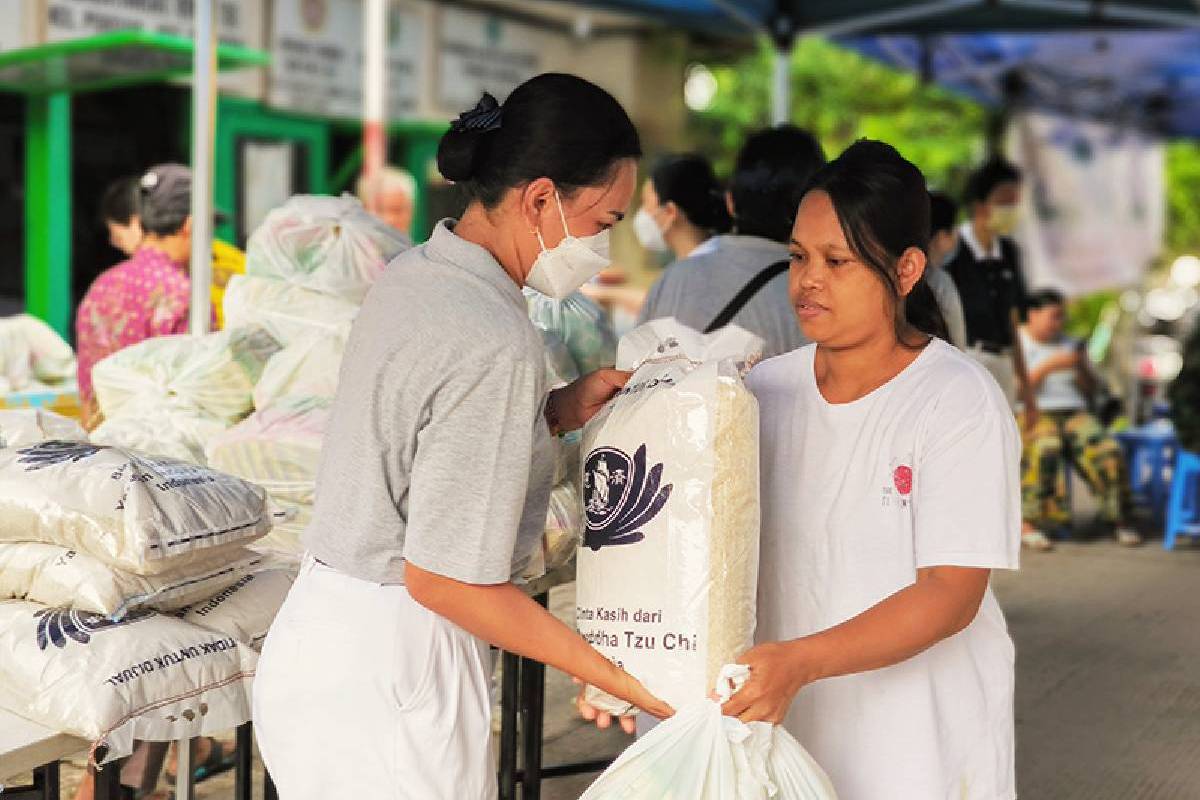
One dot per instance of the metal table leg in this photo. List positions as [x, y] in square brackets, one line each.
[243, 779]
[533, 700]
[269, 791]
[45, 785]
[510, 701]
[107, 781]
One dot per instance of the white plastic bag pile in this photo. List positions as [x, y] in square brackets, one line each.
[32, 355]
[169, 395]
[668, 568]
[148, 677]
[278, 448]
[700, 755]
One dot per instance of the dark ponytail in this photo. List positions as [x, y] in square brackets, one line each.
[689, 182]
[883, 206]
[552, 126]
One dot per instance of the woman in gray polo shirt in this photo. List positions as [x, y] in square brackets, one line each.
[437, 465]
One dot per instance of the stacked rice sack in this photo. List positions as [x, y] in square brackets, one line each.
[130, 602]
[578, 339]
[308, 268]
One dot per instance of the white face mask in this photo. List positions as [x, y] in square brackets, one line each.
[571, 263]
[648, 232]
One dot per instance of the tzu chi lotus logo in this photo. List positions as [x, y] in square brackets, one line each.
[620, 496]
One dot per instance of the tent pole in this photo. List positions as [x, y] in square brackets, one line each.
[48, 209]
[781, 85]
[374, 97]
[203, 117]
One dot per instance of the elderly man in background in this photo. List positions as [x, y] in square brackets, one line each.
[397, 192]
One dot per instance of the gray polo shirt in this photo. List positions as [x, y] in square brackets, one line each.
[697, 288]
[436, 451]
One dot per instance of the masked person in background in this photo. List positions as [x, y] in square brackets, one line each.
[991, 285]
[943, 247]
[436, 472]
[683, 208]
[742, 277]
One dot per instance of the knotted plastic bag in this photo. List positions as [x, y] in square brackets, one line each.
[699, 754]
[328, 244]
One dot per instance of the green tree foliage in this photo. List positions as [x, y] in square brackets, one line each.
[841, 96]
[1183, 197]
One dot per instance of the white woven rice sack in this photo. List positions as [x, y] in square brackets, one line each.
[55, 576]
[25, 426]
[140, 514]
[215, 373]
[149, 677]
[287, 311]
[667, 573]
[328, 244]
[161, 430]
[246, 608]
[306, 368]
[284, 538]
[277, 448]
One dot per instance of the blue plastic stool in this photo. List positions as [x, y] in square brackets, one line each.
[1183, 511]
[1150, 453]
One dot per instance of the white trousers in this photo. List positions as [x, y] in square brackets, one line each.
[1002, 369]
[363, 693]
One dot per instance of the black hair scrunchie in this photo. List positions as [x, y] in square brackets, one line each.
[487, 115]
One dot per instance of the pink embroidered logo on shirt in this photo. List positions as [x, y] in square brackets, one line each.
[902, 478]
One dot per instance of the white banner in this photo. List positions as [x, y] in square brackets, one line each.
[12, 26]
[480, 53]
[1094, 202]
[238, 21]
[317, 50]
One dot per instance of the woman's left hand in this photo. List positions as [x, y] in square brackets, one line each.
[778, 670]
[573, 405]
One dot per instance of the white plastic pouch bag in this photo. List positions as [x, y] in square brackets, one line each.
[276, 448]
[580, 323]
[160, 429]
[699, 754]
[140, 514]
[55, 576]
[667, 571]
[31, 352]
[214, 373]
[307, 368]
[148, 677]
[286, 311]
[328, 244]
[246, 608]
[24, 426]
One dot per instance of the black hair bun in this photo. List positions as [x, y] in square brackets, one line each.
[456, 155]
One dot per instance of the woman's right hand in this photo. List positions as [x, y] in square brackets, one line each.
[631, 691]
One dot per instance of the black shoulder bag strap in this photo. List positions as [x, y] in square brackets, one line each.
[744, 296]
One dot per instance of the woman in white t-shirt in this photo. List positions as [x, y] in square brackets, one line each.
[890, 490]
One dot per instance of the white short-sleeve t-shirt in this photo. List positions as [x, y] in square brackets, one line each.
[857, 497]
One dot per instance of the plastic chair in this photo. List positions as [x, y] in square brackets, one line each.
[1150, 452]
[1183, 510]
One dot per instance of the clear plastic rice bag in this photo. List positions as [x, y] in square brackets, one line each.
[667, 572]
[327, 244]
[580, 323]
[700, 755]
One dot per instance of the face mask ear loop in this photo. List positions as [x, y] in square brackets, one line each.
[562, 215]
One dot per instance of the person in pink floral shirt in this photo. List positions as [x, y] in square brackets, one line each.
[150, 293]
